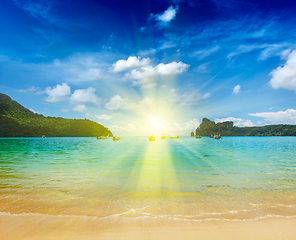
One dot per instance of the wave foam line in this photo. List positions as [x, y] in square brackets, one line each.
[147, 215]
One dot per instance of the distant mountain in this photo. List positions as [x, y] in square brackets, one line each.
[18, 121]
[208, 127]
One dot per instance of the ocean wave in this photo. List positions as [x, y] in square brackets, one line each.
[154, 216]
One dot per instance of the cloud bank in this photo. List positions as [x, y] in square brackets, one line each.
[239, 122]
[142, 73]
[280, 117]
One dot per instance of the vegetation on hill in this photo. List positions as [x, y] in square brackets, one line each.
[208, 128]
[17, 121]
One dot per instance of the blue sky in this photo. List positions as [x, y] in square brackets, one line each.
[142, 67]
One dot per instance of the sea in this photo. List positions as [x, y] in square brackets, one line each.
[232, 179]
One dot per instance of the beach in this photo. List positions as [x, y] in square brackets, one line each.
[69, 227]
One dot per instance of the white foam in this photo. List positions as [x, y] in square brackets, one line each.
[149, 215]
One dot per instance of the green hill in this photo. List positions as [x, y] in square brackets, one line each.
[18, 121]
[208, 128]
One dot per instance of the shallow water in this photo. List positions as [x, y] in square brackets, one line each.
[234, 178]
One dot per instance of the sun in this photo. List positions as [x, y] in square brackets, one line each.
[156, 123]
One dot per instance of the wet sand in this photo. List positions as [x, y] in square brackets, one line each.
[35, 227]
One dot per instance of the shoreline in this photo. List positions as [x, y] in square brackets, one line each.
[31, 227]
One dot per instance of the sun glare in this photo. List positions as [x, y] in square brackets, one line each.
[156, 123]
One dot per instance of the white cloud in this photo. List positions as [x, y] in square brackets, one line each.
[244, 49]
[33, 111]
[173, 90]
[190, 97]
[104, 117]
[144, 129]
[184, 128]
[285, 54]
[116, 102]
[90, 74]
[84, 96]
[281, 117]
[34, 8]
[202, 68]
[125, 129]
[267, 50]
[166, 45]
[79, 68]
[130, 64]
[80, 108]
[149, 76]
[57, 93]
[239, 122]
[148, 52]
[207, 52]
[166, 17]
[31, 89]
[285, 76]
[146, 101]
[236, 89]
[191, 125]
[152, 51]
[172, 68]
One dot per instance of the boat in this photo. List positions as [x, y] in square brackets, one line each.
[102, 137]
[43, 136]
[163, 136]
[151, 138]
[197, 136]
[217, 136]
[211, 136]
[116, 138]
[174, 137]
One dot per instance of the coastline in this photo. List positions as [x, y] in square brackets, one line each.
[36, 226]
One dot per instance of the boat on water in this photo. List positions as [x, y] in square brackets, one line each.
[163, 136]
[197, 136]
[102, 137]
[43, 136]
[151, 138]
[174, 137]
[217, 136]
[116, 138]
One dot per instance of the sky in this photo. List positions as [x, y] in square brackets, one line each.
[151, 67]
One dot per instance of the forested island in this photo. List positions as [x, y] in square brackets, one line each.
[208, 128]
[18, 121]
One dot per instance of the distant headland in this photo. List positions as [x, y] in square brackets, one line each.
[18, 121]
[208, 128]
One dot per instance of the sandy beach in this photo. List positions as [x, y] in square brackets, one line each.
[31, 227]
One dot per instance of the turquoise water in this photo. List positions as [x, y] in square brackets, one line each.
[234, 178]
